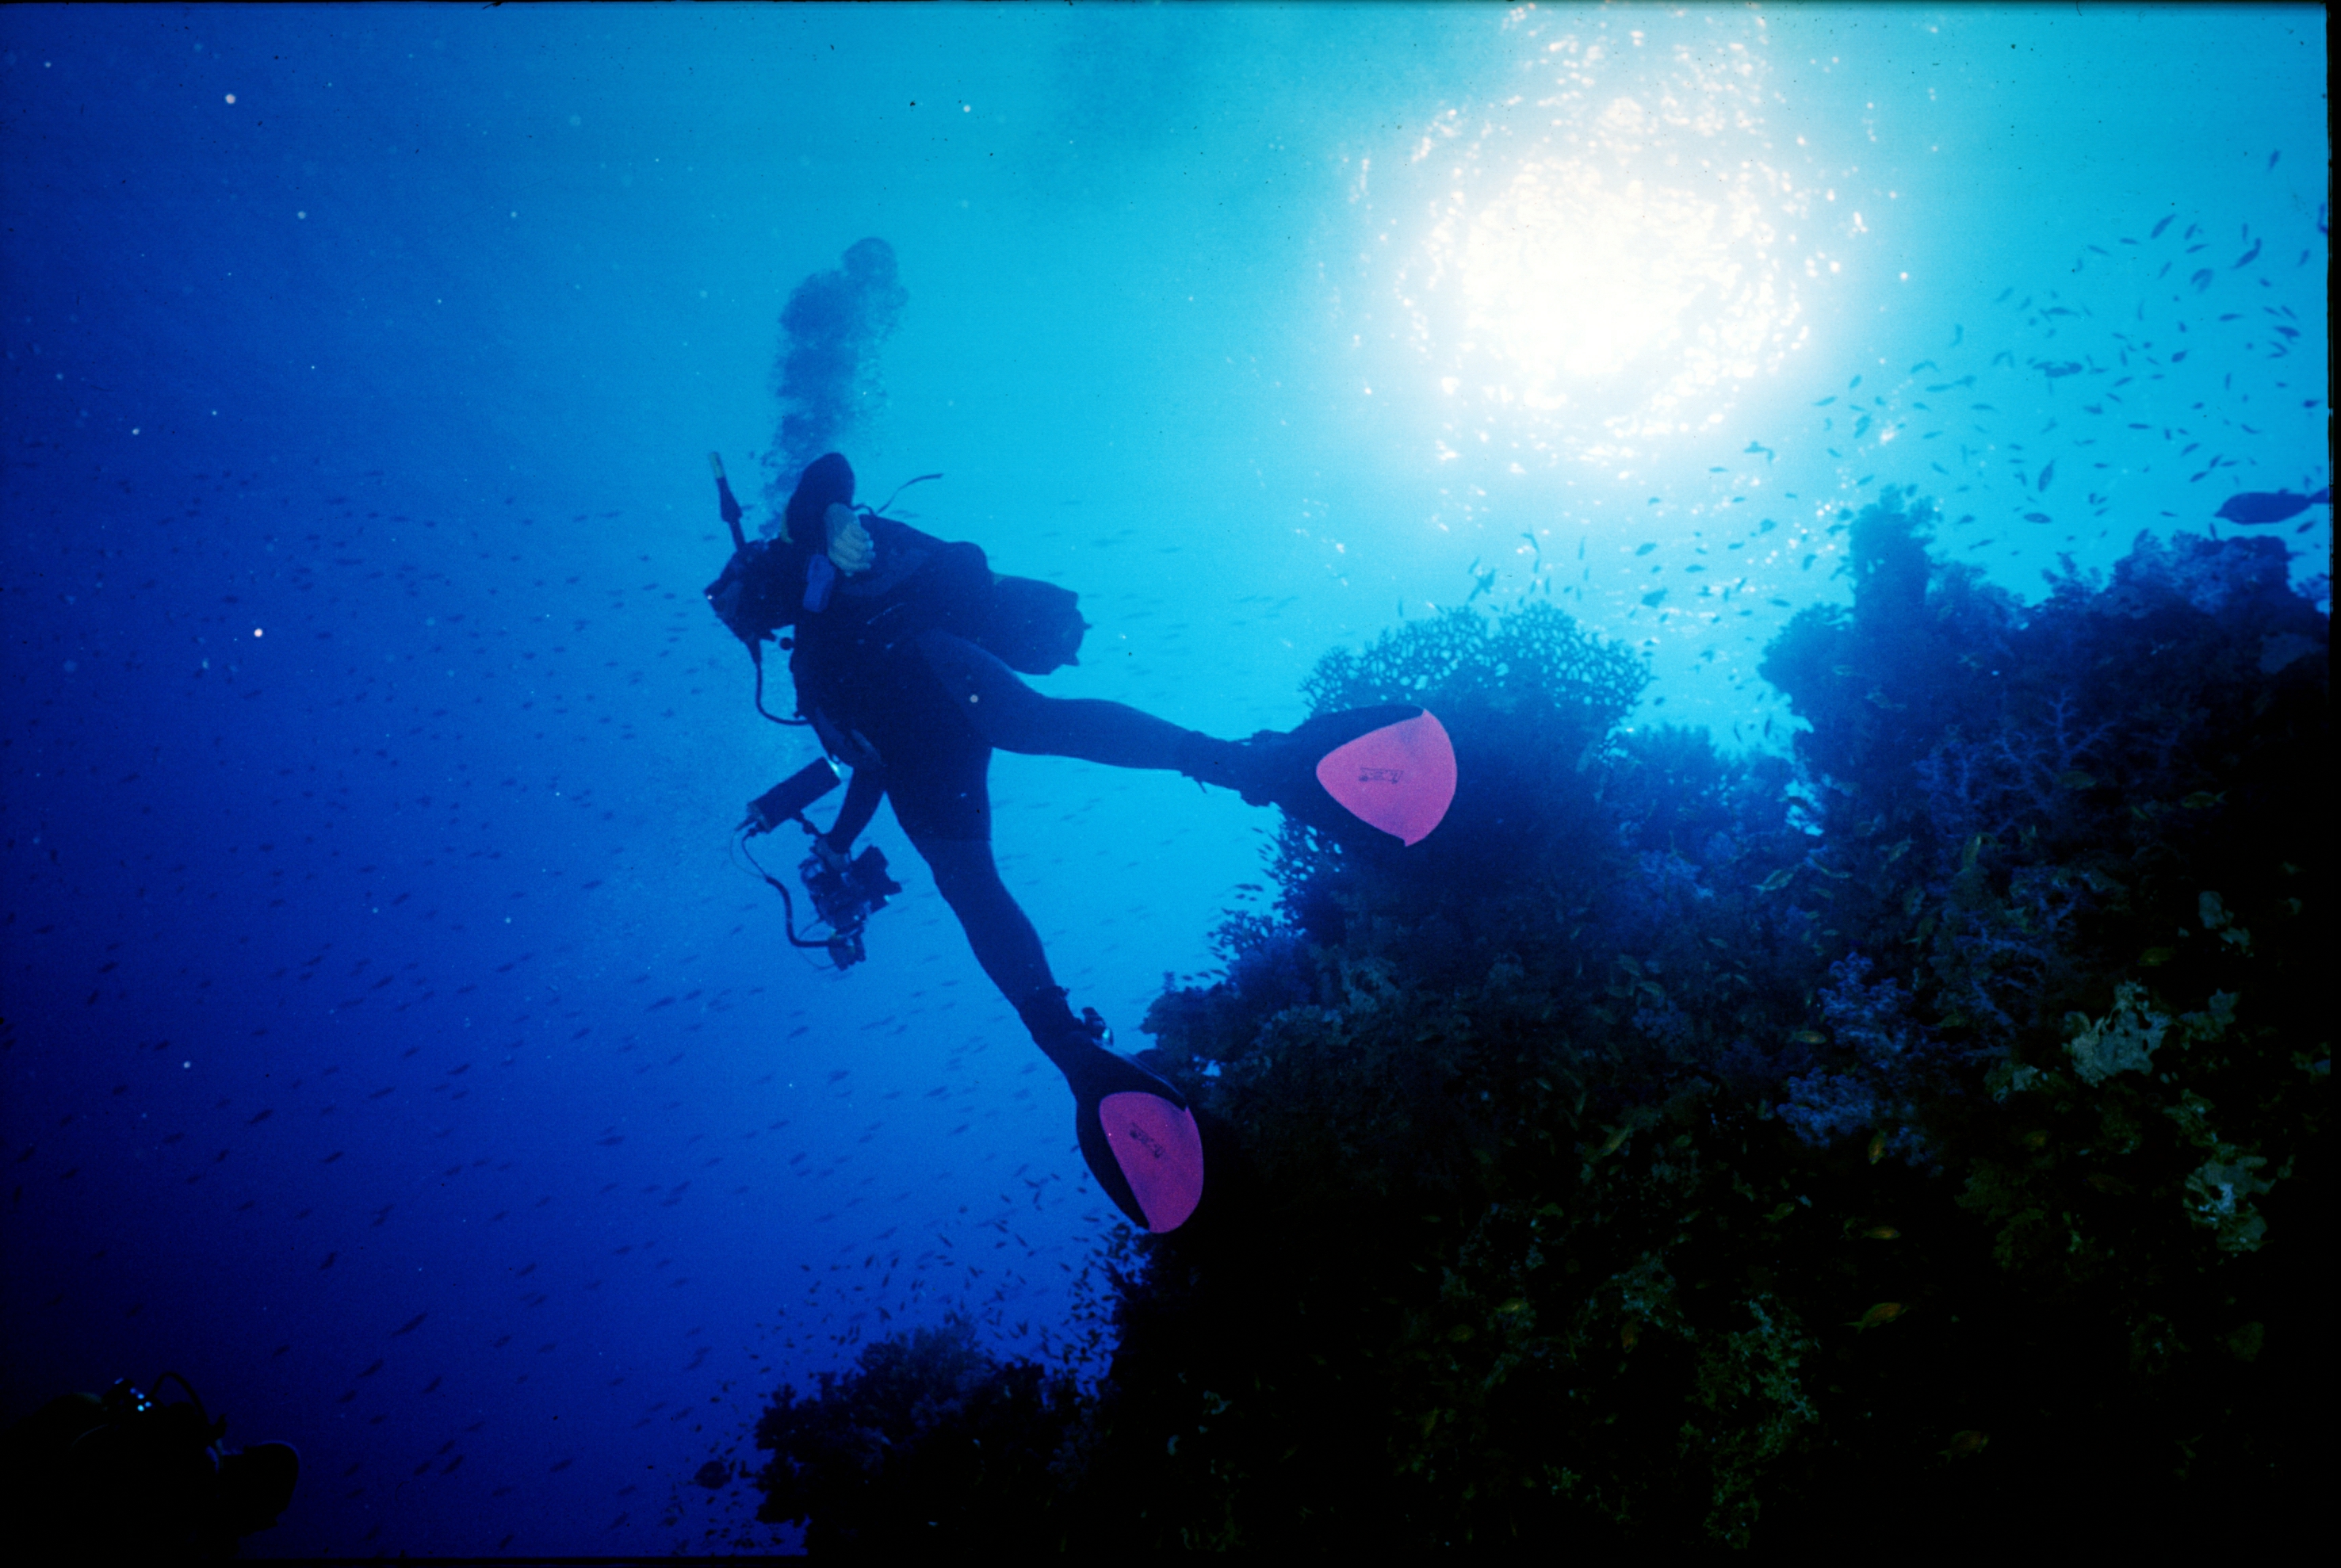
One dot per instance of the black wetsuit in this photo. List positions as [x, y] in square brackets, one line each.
[899, 687]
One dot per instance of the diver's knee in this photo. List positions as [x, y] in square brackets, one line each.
[958, 664]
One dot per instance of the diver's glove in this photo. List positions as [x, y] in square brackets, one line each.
[851, 550]
[831, 857]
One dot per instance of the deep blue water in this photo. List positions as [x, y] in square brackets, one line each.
[392, 1047]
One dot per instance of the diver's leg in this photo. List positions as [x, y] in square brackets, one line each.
[1389, 767]
[1004, 939]
[1134, 1129]
[1014, 717]
[937, 777]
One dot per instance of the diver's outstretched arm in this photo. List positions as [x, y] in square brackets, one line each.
[862, 793]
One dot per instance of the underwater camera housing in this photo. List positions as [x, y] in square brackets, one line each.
[845, 893]
[845, 896]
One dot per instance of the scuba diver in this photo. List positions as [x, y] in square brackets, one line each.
[118, 1478]
[906, 655]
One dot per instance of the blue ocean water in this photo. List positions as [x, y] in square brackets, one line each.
[394, 1048]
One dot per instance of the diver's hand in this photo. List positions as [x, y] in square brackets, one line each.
[849, 547]
[831, 857]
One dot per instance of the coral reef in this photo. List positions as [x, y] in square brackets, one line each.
[1682, 1151]
[926, 1427]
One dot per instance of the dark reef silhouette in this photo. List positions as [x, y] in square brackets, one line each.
[1919, 1139]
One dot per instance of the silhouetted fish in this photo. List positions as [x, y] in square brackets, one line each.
[2257, 506]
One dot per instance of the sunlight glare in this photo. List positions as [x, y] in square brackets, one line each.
[1605, 261]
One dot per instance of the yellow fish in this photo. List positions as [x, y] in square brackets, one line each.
[1628, 1334]
[1966, 1443]
[1882, 1233]
[1879, 1315]
[1878, 1148]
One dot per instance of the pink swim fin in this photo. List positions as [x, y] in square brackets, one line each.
[1400, 777]
[1391, 768]
[1134, 1127]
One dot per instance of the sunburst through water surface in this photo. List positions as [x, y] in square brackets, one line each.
[1606, 255]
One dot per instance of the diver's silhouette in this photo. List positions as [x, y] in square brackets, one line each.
[905, 660]
[118, 1478]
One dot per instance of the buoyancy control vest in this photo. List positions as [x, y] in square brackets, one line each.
[917, 583]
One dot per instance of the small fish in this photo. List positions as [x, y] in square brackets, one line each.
[1876, 1147]
[2047, 474]
[1964, 1443]
[1879, 1315]
[1629, 1336]
[2158, 228]
[2257, 506]
[1883, 1234]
